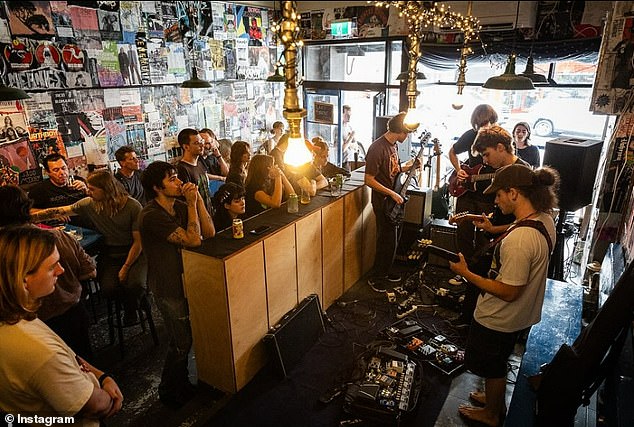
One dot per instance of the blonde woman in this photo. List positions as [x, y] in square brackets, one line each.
[39, 373]
[121, 268]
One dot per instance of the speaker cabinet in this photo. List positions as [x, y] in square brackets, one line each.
[380, 126]
[576, 160]
[442, 234]
[403, 148]
[418, 206]
[295, 334]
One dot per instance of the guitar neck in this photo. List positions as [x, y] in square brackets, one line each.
[482, 177]
[410, 174]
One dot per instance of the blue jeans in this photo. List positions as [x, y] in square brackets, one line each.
[175, 377]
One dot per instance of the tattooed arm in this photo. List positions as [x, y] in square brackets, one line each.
[206, 223]
[190, 237]
[62, 212]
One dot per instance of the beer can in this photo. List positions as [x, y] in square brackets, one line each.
[238, 230]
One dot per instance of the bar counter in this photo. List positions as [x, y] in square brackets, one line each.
[239, 288]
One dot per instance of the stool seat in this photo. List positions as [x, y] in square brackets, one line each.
[115, 320]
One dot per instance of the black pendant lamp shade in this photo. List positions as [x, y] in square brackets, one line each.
[195, 82]
[509, 80]
[530, 73]
[11, 94]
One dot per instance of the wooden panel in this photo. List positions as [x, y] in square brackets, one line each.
[369, 230]
[309, 265]
[246, 291]
[281, 273]
[353, 242]
[332, 243]
[204, 284]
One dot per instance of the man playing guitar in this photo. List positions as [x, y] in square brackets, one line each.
[494, 148]
[381, 169]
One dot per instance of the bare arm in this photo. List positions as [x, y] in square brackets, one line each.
[191, 236]
[104, 402]
[371, 182]
[207, 227]
[274, 200]
[499, 289]
[41, 215]
[288, 187]
[455, 162]
[133, 254]
[321, 182]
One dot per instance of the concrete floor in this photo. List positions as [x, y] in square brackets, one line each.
[138, 375]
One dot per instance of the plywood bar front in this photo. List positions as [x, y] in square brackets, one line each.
[238, 289]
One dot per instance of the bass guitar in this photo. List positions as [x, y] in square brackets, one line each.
[393, 210]
[457, 187]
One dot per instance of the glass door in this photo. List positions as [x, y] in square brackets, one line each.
[323, 118]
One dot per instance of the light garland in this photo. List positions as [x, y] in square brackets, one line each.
[425, 17]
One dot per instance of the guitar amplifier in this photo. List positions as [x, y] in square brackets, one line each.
[295, 334]
[442, 234]
[418, 206]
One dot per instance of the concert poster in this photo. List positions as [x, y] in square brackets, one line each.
[33, 18]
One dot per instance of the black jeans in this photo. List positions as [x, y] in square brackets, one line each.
[73, 327]
[387, 237]
[175, 376]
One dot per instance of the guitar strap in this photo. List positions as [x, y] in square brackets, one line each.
[538, 225]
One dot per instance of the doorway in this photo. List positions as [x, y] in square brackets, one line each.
[327, 119]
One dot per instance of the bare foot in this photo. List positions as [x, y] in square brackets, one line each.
[480, 415]
[478, 397]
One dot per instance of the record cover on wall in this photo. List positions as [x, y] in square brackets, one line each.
[30, 18]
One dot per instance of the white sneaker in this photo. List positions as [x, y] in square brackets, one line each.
[456, 280]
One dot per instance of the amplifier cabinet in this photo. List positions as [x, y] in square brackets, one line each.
[418, 206]
[295, 334]
[442, 234]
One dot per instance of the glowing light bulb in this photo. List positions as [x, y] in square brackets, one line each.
[297, 153]
[412, 119]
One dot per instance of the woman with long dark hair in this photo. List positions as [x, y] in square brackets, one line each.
[240, 156]
[265, 185]
[229, 204]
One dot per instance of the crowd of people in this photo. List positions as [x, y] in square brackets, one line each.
[147, 217]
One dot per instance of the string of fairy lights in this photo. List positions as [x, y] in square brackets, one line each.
[426, 17]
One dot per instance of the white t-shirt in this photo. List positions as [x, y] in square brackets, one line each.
[39, 374]
[524, 257]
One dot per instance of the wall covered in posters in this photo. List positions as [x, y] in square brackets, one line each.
[102, 74]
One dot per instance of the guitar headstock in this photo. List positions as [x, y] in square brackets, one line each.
[437, 151]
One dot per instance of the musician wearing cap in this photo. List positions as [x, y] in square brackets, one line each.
[512, 295]
[381, 169]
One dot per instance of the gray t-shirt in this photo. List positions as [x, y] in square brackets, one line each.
[117, 230]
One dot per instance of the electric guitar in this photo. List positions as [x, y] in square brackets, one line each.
[393, 210]
[464, 216]
[458, 187]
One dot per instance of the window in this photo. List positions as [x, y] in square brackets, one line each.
[346, 62]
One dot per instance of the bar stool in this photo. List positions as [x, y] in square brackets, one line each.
[115, 320]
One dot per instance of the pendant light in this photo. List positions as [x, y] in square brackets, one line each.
[194, 82]
[11, 93]
[509, 80]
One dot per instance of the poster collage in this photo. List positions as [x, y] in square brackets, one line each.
[103, 74]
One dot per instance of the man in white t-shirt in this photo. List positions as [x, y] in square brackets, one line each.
[511, 297]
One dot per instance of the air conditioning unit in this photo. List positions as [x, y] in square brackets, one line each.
[497, 15]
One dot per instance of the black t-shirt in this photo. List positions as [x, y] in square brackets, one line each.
[383, 164]
[48, 195]
[164, 258]
[196, 175]
[252, 206]
[463, 145]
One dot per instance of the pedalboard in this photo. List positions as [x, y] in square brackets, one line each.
[389, 387]
[419, 343]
